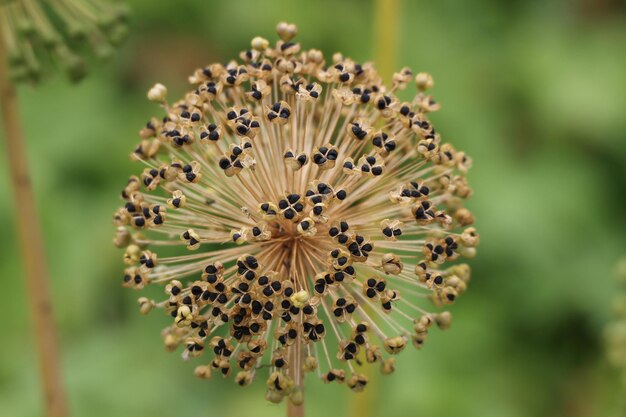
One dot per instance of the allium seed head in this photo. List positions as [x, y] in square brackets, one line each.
[319, 213]
[35, 32]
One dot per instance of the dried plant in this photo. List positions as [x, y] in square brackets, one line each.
[322, 212]
[36, 32]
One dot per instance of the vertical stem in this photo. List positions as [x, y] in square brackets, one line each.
[31, 245]
[295, 410]
[385, 37]
[386, 29]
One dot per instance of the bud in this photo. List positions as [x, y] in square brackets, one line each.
[300, 298]
[424, 81]
[145, 305]
[157, 93]
[286, 31]
[443, 320]
[259, 43]
[202, 372]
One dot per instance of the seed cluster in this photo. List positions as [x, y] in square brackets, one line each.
[321, 210]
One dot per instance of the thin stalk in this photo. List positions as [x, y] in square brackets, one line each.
[294, 410]
[31, 245]
[386, 37]
[386, 29]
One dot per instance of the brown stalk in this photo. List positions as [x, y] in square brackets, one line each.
[295, 410]
[385, 50]
[31, 245]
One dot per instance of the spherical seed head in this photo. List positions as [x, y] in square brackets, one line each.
[43, 30]
[324, 213]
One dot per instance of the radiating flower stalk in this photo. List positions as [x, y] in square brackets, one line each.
[40, 33]
[319, 217]
[616, 333]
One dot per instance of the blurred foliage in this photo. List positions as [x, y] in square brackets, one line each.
[535, 91]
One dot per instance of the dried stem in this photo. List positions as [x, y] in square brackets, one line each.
[385, 48]
[35, 266]
[295, 410]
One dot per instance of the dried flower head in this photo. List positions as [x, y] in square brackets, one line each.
[34, 30]
[319, 209]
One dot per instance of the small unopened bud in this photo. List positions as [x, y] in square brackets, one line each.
[260, 43]
[273, 396]
[171, 342]
[183, 316]
[464, 217]
[157, 93]
[468, 253]
[443, 320]
[388, 366]
[286, 31]
[145, 305]
[243, 378]
[391, 264]
[310, 364]
[424, 81]
[122, 237]
[202, 372]
[131, 256]
[300, 298]
[462, 271]
[419, 339]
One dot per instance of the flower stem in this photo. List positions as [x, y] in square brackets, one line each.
[385, 36]
[295, 410]
[35, 266]
[385, 50]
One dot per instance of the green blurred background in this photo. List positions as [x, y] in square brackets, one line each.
[534, 90]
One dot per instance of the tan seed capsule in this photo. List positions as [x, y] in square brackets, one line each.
[131, 256]
[391, 264]
[157, 93]
[274, 396]
[424, 81]
[145, 305]
[203, 372]
[310, 364]
[387, 366]
[286, 31]
[443, 320]
[259, 43]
